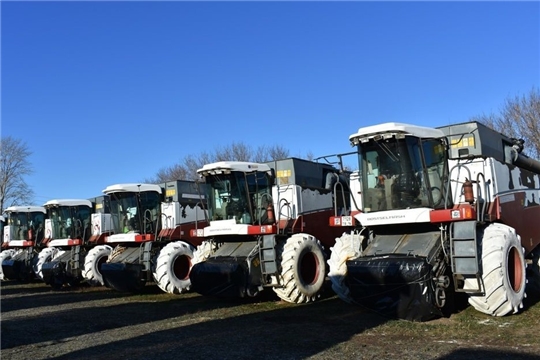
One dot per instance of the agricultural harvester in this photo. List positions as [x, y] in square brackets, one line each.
[267, 229]
[152, 238]
[23, 234]
[435, 212]
[69, 231]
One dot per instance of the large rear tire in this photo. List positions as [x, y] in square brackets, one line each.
[5, 255]
[343, 250]
[44, 256]
[172, 267]
[303, 269]
[503, 272]
[92, 264]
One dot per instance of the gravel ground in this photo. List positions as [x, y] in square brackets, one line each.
[98, 323]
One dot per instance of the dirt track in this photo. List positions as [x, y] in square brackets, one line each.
[97, 323]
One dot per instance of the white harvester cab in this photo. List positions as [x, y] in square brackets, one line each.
[22, 235]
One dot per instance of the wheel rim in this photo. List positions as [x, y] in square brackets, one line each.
[181, 267]
[515, 269]
[309, 268]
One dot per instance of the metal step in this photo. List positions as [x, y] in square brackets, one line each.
[145, 256]
[267, 254]
[464, 255]
[75, 256]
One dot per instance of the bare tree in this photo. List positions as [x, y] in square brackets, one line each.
[237, 151]
[269, 153]
[176, 171]
[14, 166]
[519, 118]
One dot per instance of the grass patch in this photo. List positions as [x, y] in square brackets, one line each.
[471, 326]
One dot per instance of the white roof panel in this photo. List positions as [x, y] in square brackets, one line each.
[68, 202]
[228, 166]
[25, 209]
[392, 127]
[131, 188]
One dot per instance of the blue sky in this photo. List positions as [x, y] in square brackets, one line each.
[110, 92]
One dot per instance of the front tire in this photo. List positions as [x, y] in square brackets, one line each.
[204, 251]
[92, 263]
[303, 269]
[342, 251]
[5, 255]
[46, 255]
[173, 266]
[503, 272]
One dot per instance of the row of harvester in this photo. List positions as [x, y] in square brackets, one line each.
[141, 232]
[49, 242]
[152, 240]
[22, 235]
[266, 229]
[437, 211]
[431, 212]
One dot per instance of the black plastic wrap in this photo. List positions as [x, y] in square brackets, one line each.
[12, 269]
[225, 277]
[394, 286]
[123, 277]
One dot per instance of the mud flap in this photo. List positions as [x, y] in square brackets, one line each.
[123, 277]
[394, 286]
[221, 276]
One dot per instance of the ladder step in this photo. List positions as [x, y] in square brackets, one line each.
[465, 247]
[466, 266]
[267, 255]
[464, 254]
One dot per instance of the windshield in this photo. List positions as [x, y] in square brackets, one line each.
[21, 222]
[70, 222]
[135, 212]
[239, 196]
[402, 173]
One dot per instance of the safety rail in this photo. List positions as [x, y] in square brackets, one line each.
[336, 185]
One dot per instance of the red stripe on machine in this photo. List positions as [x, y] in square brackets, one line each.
[262, 229]
[144, 237]
[462, 212]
